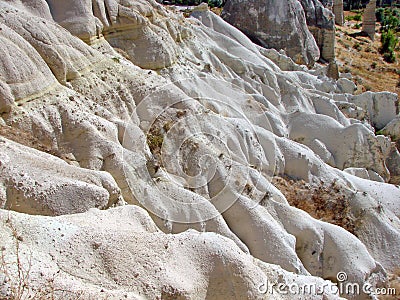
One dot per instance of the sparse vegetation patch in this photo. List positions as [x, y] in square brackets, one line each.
[322, 201]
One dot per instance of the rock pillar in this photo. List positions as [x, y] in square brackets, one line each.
[338, 12]
[369, 19]
[336, 6]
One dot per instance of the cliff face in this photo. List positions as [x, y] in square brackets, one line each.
[321, 23]
[286, 25]
[138, 148]
[274, 24]
[337, 8]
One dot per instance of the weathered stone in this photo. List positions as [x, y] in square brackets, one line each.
[392, 129]
[6, 97]
[333, 70]
[393, 163]
[369, 19]
[380, 107]
[336, 6]
[284, 62]
[228, 119]
[320, 21]
[146, 45]
[274, 24]
[346, 86]
[338, 12]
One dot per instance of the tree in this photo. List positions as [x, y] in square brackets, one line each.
[215, 3]
[389, 42]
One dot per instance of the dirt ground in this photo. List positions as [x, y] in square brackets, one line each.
[360, 56]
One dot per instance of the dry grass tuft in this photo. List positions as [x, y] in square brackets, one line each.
[393, 283]
[16, 279]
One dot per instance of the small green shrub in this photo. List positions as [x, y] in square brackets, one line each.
[389, 19]
[357, 17]
[389, 57]
[391, 22]
[356, 10]
[389, 42]
[380, 14]
[357, 46]
[214, 3]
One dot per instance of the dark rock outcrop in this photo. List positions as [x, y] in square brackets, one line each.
[321, 23]
[275, 24]
[369, 19]
[336, 6]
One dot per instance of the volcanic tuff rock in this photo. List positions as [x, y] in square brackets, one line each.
[338, 12]
[281, 25]
[337, 8]
[189, 136]
[321, 23]
[369, 19]
[274, 24]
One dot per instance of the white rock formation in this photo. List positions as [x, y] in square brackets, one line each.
[186, 120]
[37, 183]
[380, 107]
[393, 128]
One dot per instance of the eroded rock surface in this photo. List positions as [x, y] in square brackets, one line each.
[369, 19]
[321, 23]
[274, 24]
[190, 138]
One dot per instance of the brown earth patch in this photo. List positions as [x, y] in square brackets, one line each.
[325, 202]
[19, 136]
